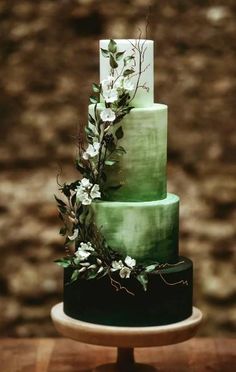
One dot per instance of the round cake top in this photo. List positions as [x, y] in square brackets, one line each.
[143, 52]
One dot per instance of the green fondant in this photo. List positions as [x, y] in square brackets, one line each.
[96, 301]
[142, 170]
[146, 231]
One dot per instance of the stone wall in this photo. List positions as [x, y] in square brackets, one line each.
[49, 58]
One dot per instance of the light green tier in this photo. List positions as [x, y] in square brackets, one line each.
[147, 231]
[142, 170]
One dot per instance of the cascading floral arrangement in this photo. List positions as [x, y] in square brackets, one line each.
[87, 252]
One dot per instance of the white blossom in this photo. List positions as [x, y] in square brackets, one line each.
[85, 183]
[125, 272]
[84, 251]
[82, 255]
[111, 95]
[95, 193]
[83, 196]
[74, 235]
[108, 115]
[124, 83]
[131, 262]
[128, 85]
[92, 150]
[107, 83]
[86, 192]
[117, 265]
[86, 246]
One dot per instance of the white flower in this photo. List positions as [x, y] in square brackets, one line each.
[128, 85]
[74, 235]
[125, 272]
[108, 115]
[85, 183]
[86, 246]
[92, 150]
[82, 195]
[80, 192]
[95, 192]
[110, 95]
[86, 192]
[117, 265]
[131, 262]
[84, 251]
[82, 255]
[107, 83]
[124, 83]
[86, 200]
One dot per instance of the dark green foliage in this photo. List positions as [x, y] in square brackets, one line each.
[112, 46]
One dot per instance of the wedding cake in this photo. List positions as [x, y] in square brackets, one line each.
[122, 265]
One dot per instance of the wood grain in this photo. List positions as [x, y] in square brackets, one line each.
[62, 355]
[125, 337]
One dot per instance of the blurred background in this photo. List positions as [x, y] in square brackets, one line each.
[48, 61]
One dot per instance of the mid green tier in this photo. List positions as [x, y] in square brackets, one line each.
[146, 231]
[168, 298]
[142, 170]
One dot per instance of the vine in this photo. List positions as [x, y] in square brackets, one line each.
[87, 252]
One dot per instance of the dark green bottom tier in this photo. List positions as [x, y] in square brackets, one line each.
[96, 301]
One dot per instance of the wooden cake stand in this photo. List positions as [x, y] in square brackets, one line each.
[125, 338]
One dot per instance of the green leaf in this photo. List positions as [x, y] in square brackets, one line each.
[96, 88]
[105, 53]
[59, 201]
[123, 99]
[112, 46]
[103, 176]
[111, 146]
[91, 119]
[150, 268]
[90, 131]
[119, 55]
[128, 71]
[92, 275]
[63, 262]
[74, 276]
[119, 133]
[143, 279]
[80, 167]
[93, 99]
[62, 209]
[127, 59]
[66, 190]
[113, 62]
[120, 149]
[110, 162]
[115, 187]
[73, 200]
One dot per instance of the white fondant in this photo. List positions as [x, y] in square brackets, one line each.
[143, 97]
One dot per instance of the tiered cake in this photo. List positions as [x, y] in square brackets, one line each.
[139, 219]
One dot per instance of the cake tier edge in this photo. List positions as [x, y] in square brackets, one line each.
[146, 231]
[168, 298]
[141, 171]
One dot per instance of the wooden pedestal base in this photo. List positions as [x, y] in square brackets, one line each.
[125, 338]
[125, 363]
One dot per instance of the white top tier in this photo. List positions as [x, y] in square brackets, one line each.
[144, 97]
